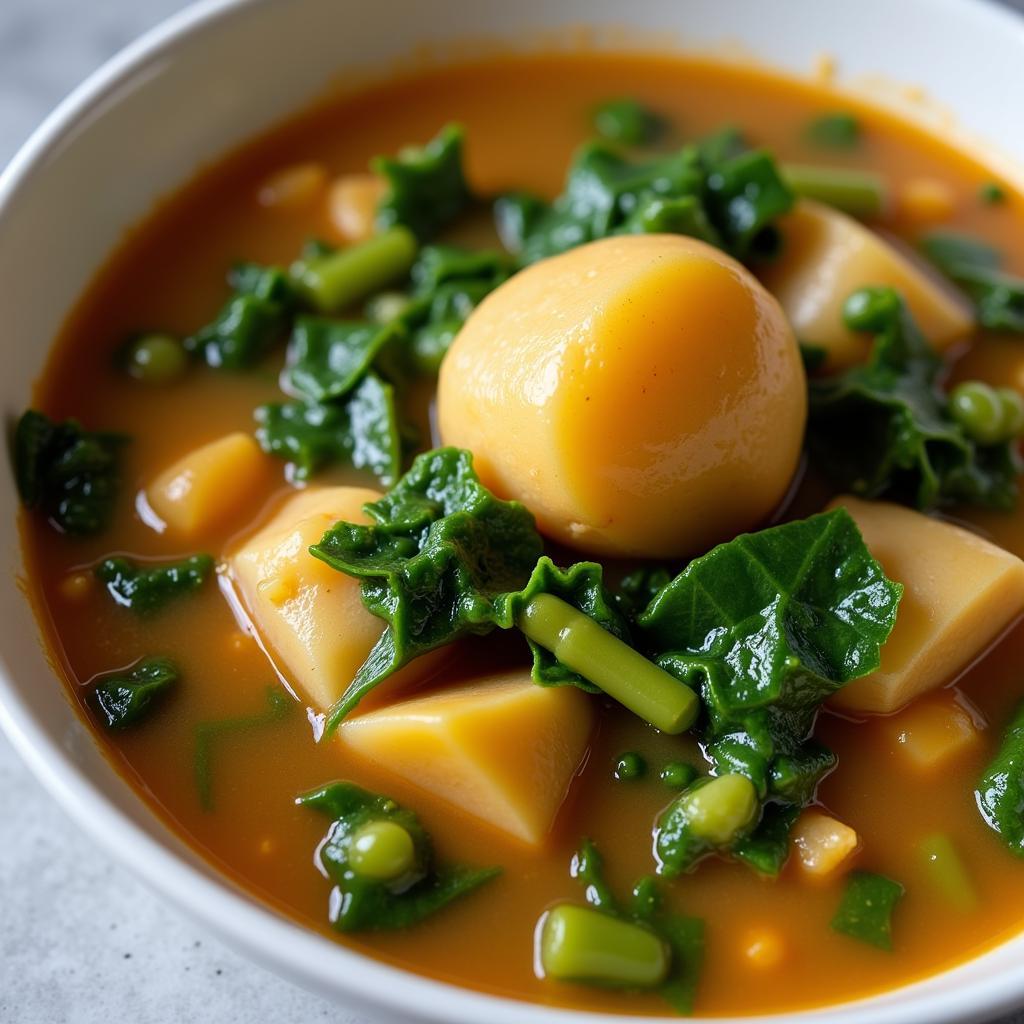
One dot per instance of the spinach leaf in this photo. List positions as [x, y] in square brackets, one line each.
[426, 187]
[208, 734]
[834, 131]
[766, 849]
[1000, 792]
[147, 588]
[359, 903]
[126, 698]
[328, 358]
[66, 472]
[865, 912]
[629, 122]
[254, 318]
[885, 429]
[362, 431]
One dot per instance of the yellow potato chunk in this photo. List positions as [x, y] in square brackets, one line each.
[823, 844]
[500, 748]
[935, 730]
[309, 616]
[641, 395]
[960, 593]
[827, 256]
[209, 486]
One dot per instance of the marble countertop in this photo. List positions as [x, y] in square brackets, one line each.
[81, 941]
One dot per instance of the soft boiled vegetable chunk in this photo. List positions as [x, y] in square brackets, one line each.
[310, 618]
[826, 257]
[960, 593]
[641, 395]
[499, 748]
[209, 486]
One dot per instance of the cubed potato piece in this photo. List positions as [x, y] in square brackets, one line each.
[309, 617]
[827, 256]
[210, 485]
[823, 844]
[934, 730]
[960, 593]
[499, 748]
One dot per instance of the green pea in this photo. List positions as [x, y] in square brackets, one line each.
[991, 193]
[582, 944]
[721, 808]
[382, 851]
[1013, 412]
[678, 774]
[629, 766]
[157, 359]
[979, 410]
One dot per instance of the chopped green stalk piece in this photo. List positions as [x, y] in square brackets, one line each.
[588, 868]
[629, 766]
[628, 122]
[981, 411]
[834, 131]
[125, 699]
[858, 193]
[947, 872]
[1000, 791]
[384, 307]
[145, 588]
[578, 642]
[585, 945]
[949, 250]
[992, 193]
[156, 359]
[865, 912]
[66, 472]
[678, 774]
[346, 276]
[381, 861]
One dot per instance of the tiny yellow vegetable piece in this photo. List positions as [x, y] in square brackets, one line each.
[823, 845]
[293, 187]
[933, 731]
[210, 486]
[827, 256]
[77, 586]
[764, 948]
[501, 748]
[352, 205]
[641, 395]
[927, 200]
[960, 593]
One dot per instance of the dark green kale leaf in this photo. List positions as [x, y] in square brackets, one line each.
[426, 186]
[125, 698]
[146, 588]
[865, 912]
[885, 429]
[359, 903]
[362, 430]
[67, 473]
[628, 122]
[254, 319]
[1000, 791]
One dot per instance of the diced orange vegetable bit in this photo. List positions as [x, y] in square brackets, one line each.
[822, 843]
[292, 187]
[76, 586]
[927, 200]
[352, 205]
[933, 730]
[764, 948]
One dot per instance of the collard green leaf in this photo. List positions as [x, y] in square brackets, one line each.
[426, 187]
[885, 429]
[146, 588]
[67, 473]
[1000, 791]
[362, 431]
[361, 904]
[865, 912]
[126, 698]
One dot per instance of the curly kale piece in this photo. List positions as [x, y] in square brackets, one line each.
[885, 430]
[146, 588]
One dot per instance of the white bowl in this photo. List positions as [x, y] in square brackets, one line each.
[222, 71]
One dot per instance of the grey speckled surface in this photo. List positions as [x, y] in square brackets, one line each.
[81, 942]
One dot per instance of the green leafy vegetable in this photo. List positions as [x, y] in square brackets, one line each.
[209, 734]
[125, 698]
[361, 903]
[362, 431]
[835, 131]
[629, 122]
[885, 429]
[147, 588]
[66, 472]
[426, 187]
[992, 193]
[253, 320]
[766, 849]
[637, 589]
[865, 912]
[1000, 791]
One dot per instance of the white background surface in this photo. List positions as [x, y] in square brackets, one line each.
[81, 942]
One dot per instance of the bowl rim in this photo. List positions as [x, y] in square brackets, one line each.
[329, 968]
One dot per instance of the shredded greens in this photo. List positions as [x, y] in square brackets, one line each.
[147, 588]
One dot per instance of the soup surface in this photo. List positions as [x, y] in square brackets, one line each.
[768, 944]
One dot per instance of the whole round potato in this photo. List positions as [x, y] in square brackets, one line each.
[642, 395]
